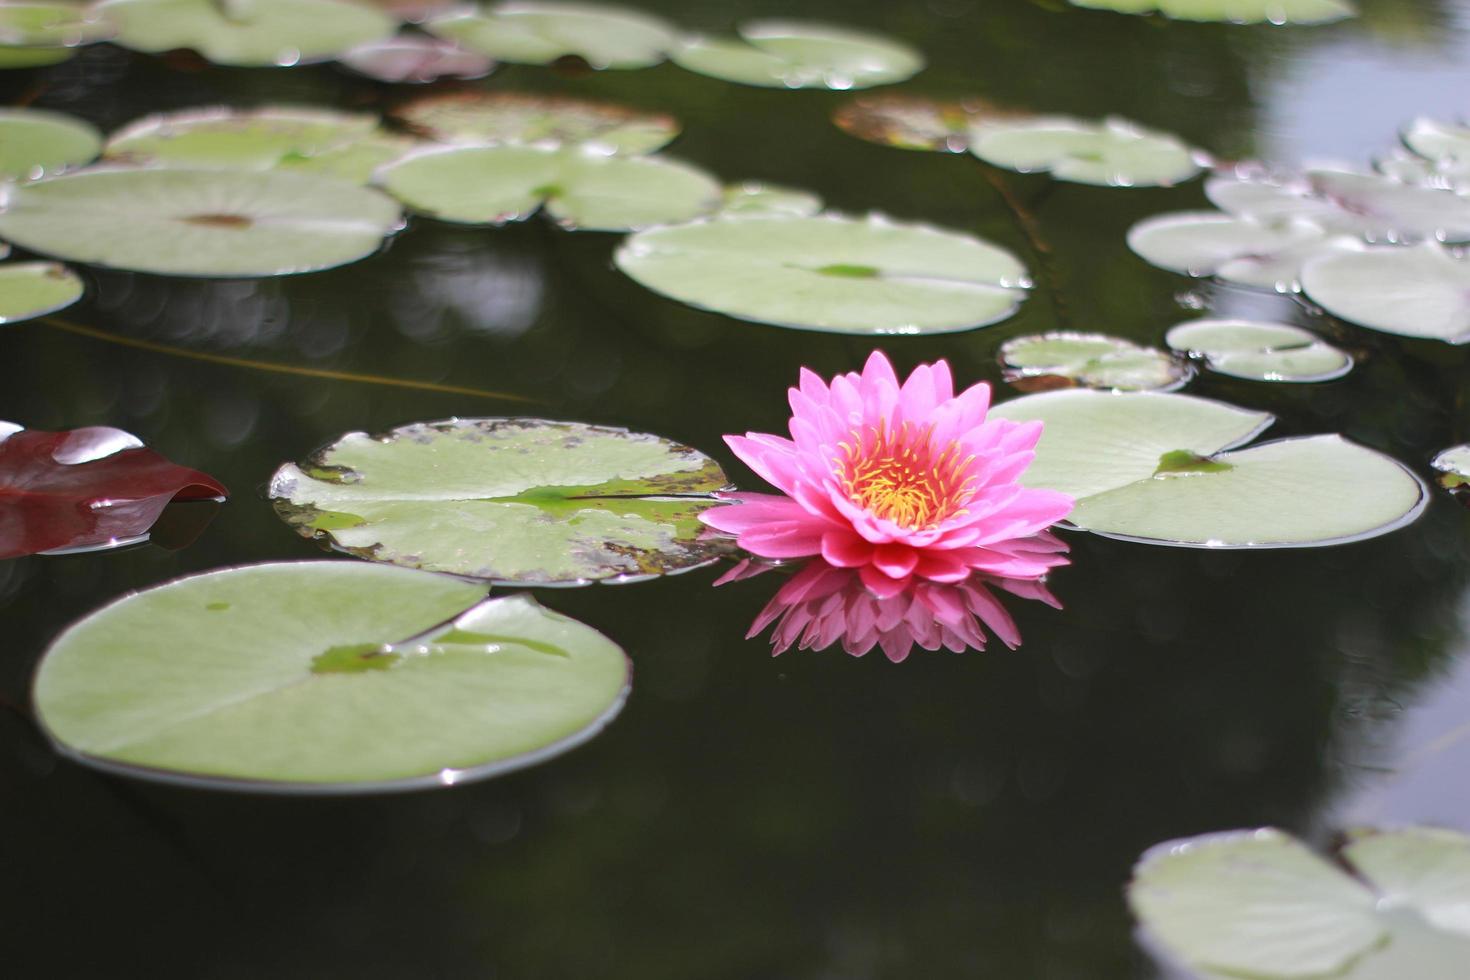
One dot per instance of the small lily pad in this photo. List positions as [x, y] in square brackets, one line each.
[1111, 153]
[1453, 465]
[1236, 250]
[524, 501]
[1260, 351]
[416, 59]
[1260, 904]
[20, 56]
[247, 32]
[1436, 140]
[45, 26]
[1154, 468]
[798, 54]
[578, 187]
[199, 222]
[243, 139]
[1372, 206]
[324, 677]
[915, 123]
[34, 143]
[1423, 291]
[1233, 11]
[1445, 173]
[32, 289]
[539, 33]
[830, 273]
[517, 117]
[1089, 360]
[768, 200]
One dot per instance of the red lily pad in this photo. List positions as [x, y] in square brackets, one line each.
[86, 489]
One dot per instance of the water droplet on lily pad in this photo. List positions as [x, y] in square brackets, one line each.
[33, 35]
[1259, 351]
[1089, 360]
[1111, 153]
[912, 122]
[799, 54]
[524, 501]
[1420, 291]
[324, 677]
[34, 143]
[1258, 903]
[519, 117]
[221, 223]
[32, 289]
[415, 59]
[1277, 12]
[539, 33]
[247, 32]
[753, 198]
[1236, 250]
[1165, 469]
[796, 272]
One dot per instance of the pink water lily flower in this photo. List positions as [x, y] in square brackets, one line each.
[900, 482]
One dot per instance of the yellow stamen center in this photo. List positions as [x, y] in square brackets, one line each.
[901, 476]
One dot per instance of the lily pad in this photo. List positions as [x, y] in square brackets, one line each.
[34, 143]
[1233, 11]
[1089, 360]
[1111, 153]
[416, 59]
[1260, 351]
[830, 273]
[538, 33]
[915, 123]
[1260, 904]
[1436, 140]
[524, 501]
[244, 139]
[1372, 206]
[1155, 468]
[51, 26]
[32, 289]
[1423, 291]
[1453, 465]
[799, 54]
[247, 32]
[324, 677]
[579, 188]
[1235, 250]
[1445, 173]
[517, 117]
[769, 200]
[20, 56]
[199, 222]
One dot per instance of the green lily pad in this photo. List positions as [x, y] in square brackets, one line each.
[19, 56]
[1260, 351]
[244, 139]
[1233, 11]
[1453, 465]
[1444, 173]
[799, 54]
[1111, 153]
[415, 59]
[1372, 206]
[247, 32]
[51, 26]
[324, 677]
[34, 143]
[1235, 250]
[524, 501]
[1260, 904]
[579, 188]
[538, 33]
[517, 117]
[32, 289]
[768, 200]
[1090, 360]
[1423, 291]
[1154, 468]
[223, 223]
[911, 122]
[830, 273]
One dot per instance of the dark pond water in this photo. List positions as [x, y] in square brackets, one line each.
[811, 816]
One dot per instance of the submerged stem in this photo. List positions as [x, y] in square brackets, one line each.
[1030, 227]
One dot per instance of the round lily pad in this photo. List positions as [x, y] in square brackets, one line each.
[199, 222]
[34, 143]
[247, 139]
[1260, 351]
[48, 27]
[1453, 465]
[1111, 153]
[912, 122]
[1233, 11]
[1235, 250]
[32, 289]
[1090, 360]
[324, 677]
[799, 54]
[1259, 903]
[1423, 291]
[1445, 173]
[1154, 468]
[539, 33]
[830, 273]
[1436, 140]
[517, 117]
[579, 188]
[769, 200]
[1372, 206]
[524, 501]
[416, 59]
[247, 32]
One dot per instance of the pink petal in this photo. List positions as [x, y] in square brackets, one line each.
[895, 560]
[845, 549]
